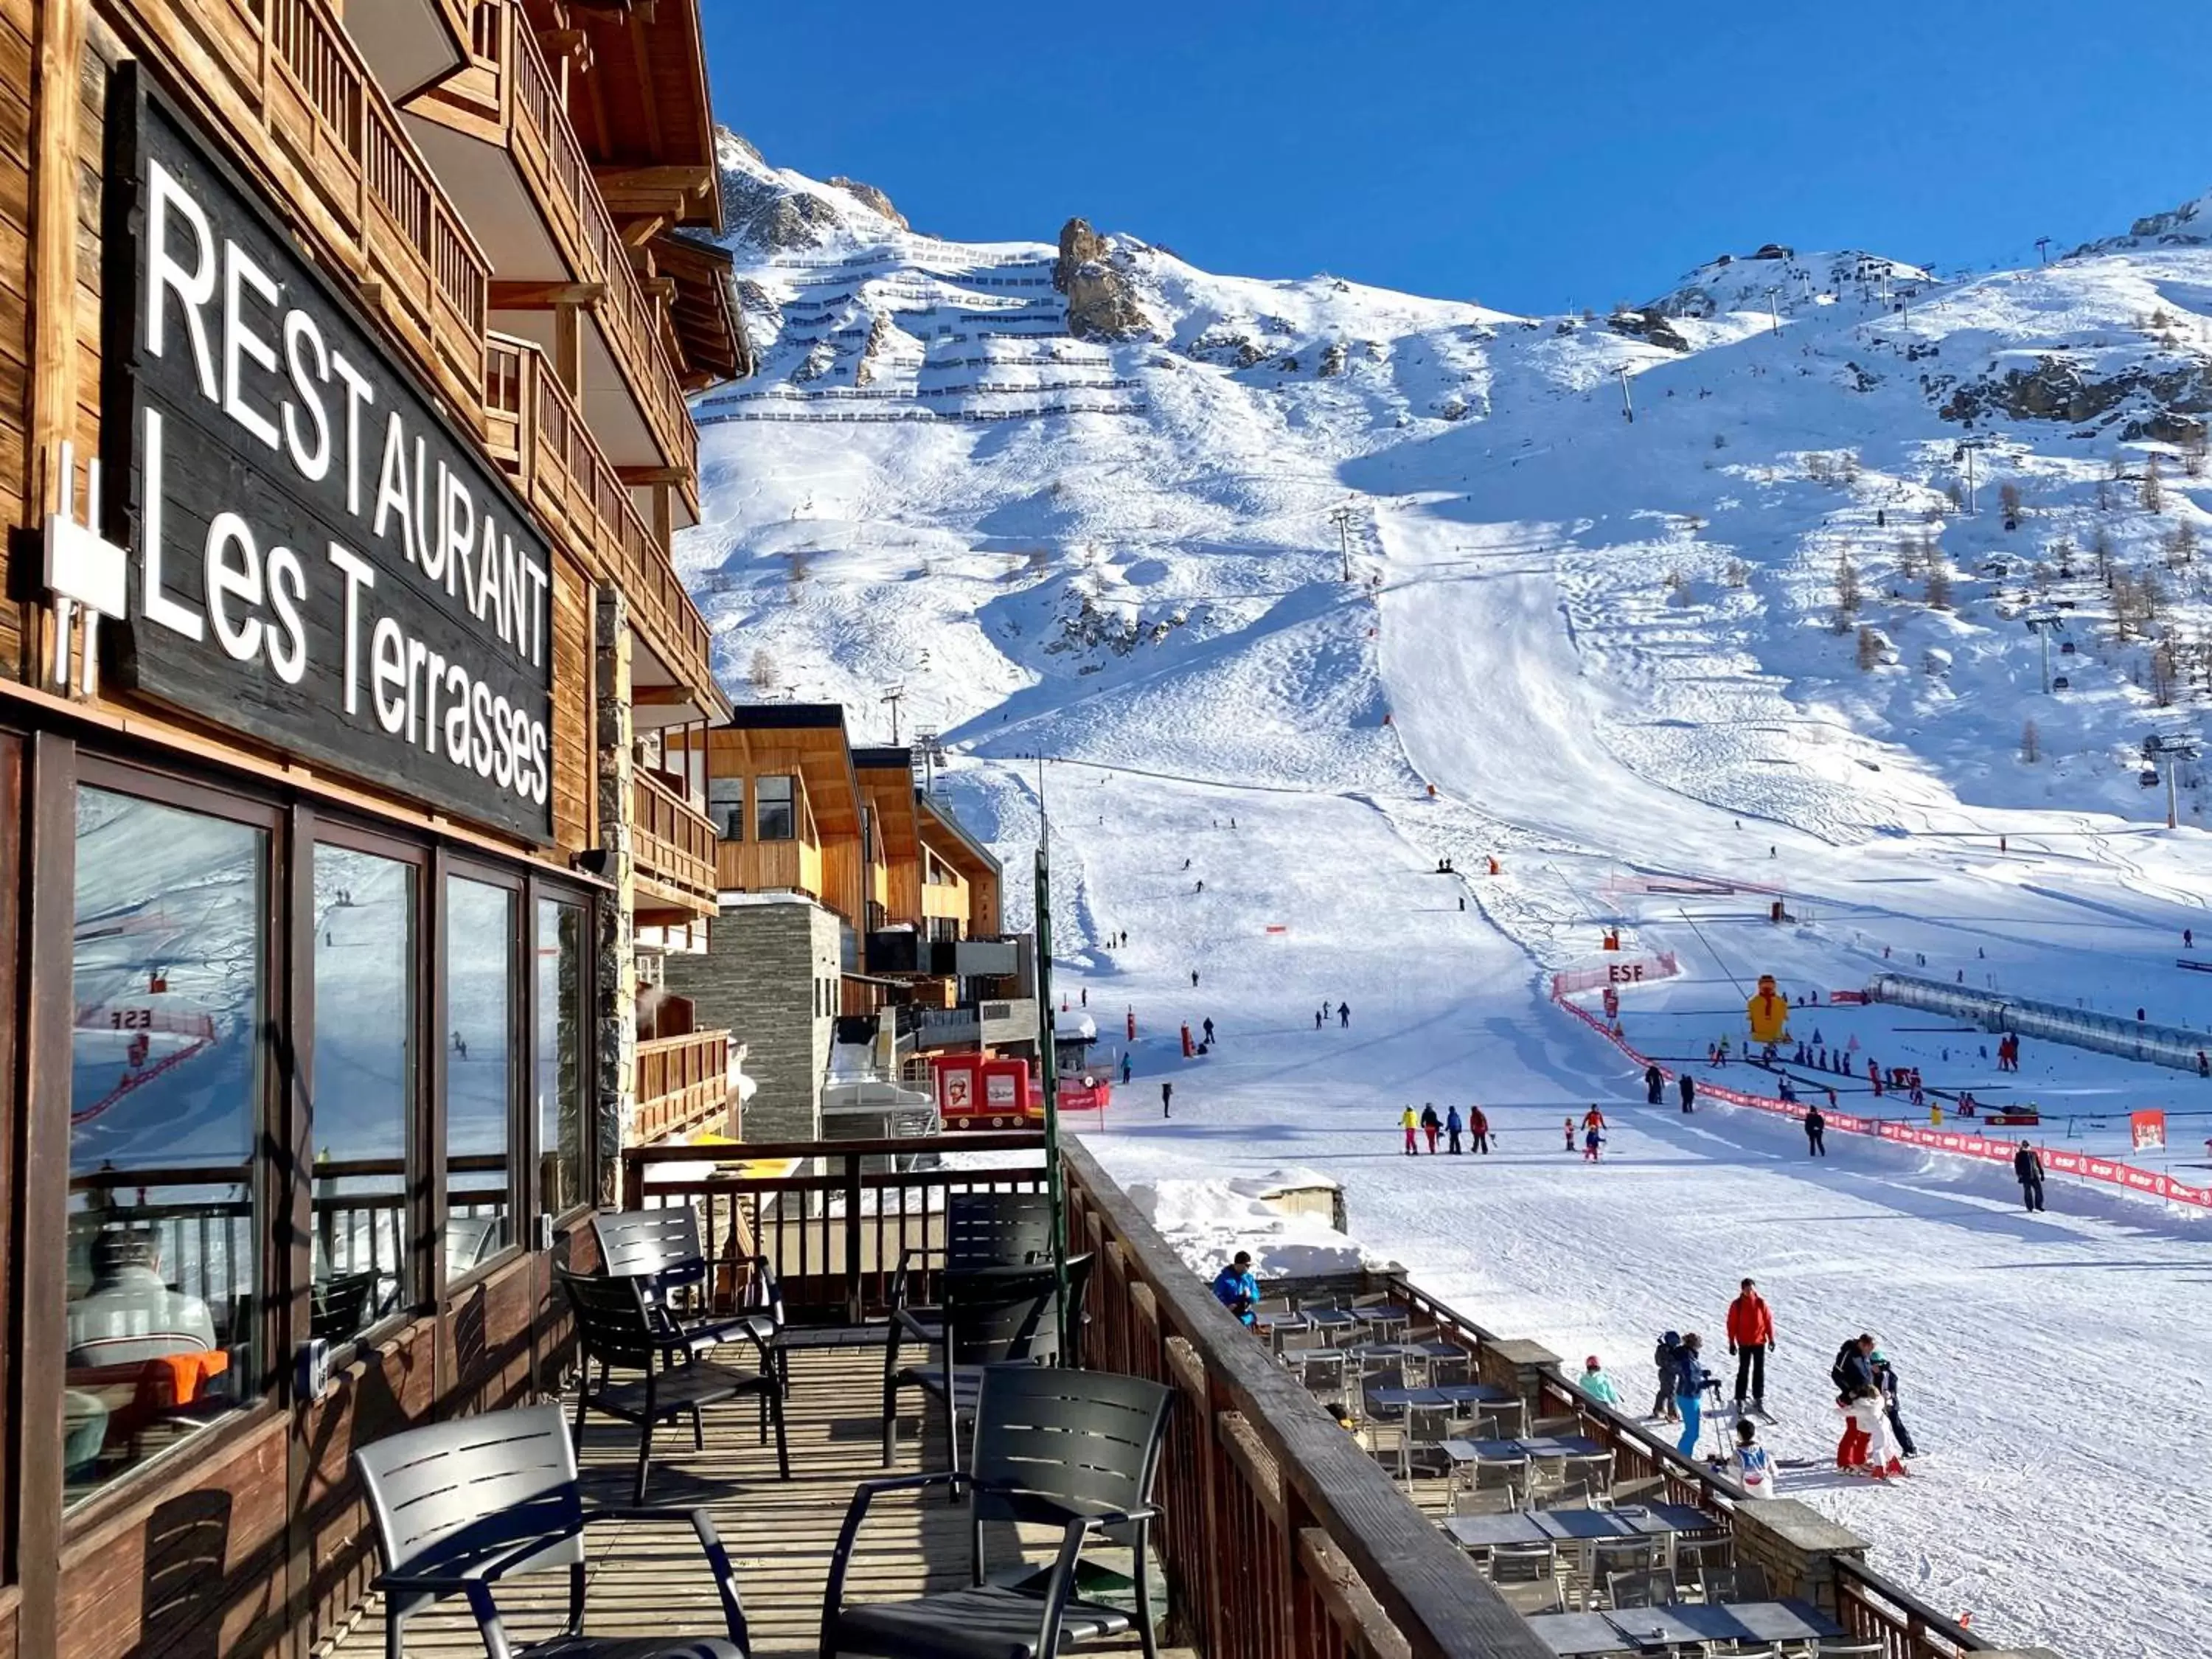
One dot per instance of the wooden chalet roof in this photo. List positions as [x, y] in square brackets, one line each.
[887, 774]
[958, 849]
[807, 738]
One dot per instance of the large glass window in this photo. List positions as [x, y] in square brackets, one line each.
[774, 820]
[168, 1075]
[559, 1083]
[480, 921]
[364, 1094]
[726, 805]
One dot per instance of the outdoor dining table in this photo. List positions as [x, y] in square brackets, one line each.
[1568, 1634]
[1529, 1446]
[1580, 1528]
[1384, 1315]
[1482, 1532]
[1328, 1319]
[1448, 1393]
[1687, 1624]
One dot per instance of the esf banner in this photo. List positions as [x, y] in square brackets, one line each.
[318, 558]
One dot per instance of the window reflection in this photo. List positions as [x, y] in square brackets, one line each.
[167, 1085]
[479, 1066]
[364, 1086]
[560, 1082]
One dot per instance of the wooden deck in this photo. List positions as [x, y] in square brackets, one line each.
[650, 1578]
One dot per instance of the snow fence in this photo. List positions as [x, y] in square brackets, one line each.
[1994, 1149]
[2176, 1045]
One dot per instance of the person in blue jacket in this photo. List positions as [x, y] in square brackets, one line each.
[1452, 1126]
[1236, 1289]
[1691, 1381]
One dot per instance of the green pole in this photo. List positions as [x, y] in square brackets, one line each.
[1055, 1185]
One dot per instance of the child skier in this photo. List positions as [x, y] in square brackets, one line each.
[1593, 1133]
[1876, 1447]
[1664, 1355]
[1596, 1384]
[1567, 1125]
[1751, 1466]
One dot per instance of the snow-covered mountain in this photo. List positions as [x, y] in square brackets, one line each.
[1307, 586]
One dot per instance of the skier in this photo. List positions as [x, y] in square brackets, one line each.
[1787, 1093]
[1344, 1013]
[1208, 1027]
[1663, 1356]
[1411, 1123]
[1477, 1125]
[1125, 1071]
[1186, 864]
[1686, 1086]
[1816, 1132]
[1236, 1289]
[1167, 1094]
[1452, 1127]
[1567, 1128]
[1750, 1334]
[1194, 979]
[1430, 1124]
[2028, 1169]
[1852, 1372]
[1596, 1384]
[1877, 1451]
[1884, 1378]
[1319, 1014]
[1655, 1081]
[1593, 1133]
[1751, 1465]
[1691, 1381]
[1201, 884]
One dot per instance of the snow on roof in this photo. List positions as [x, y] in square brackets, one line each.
[1207, 1222]
[1074, 1023]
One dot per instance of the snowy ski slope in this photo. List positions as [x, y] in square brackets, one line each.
[1599, 651]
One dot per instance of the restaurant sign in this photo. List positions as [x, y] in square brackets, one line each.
[317, 557]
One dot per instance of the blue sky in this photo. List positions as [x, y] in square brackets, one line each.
[1535, 157]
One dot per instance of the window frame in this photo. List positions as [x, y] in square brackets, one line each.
[789, 803]
[735, 811]
[540, 890]
[521, 1208]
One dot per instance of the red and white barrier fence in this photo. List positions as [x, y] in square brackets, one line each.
[1623, 971]
[1989, 1148]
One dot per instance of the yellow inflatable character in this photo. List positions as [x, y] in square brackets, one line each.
[1769, 1011]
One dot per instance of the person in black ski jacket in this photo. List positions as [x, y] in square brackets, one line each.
[2028, 1169]
[1816, 1132]
[1667, 1358]
[1853, 1371]
[1655, 1084]
[1686, 1086]
[1884, 1378]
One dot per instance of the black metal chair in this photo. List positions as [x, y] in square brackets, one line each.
[989, 1316]
[982, 1229]
[1073, 1449]
[662, 1248]
[618, 1328]
[460, 1507]
[342, 1305]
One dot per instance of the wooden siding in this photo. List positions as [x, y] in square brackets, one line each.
[674, 842]
[683, 1083]
[576, 824]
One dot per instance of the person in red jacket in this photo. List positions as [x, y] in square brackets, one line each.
[1477, 1125]
[1750, 1334]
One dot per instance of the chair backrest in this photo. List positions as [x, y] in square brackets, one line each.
[1522, 1564]
[1649, 1589]
[1575, 1495]
[452, 1494]
[1323, 1370]
[994, 1314]
[1736, 1584]
[996, 1230]
[1428, 1425]
[650, 1243]
[1502, 1477]
[341, 1304]
[614, 1324]
[1447, 1371]
[1504, 1419]
[1611, 1555]
[1046, 1436]
[1381, 1374]
[1597, 1470]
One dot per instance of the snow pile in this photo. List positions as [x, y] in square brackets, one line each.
[1208, 1221]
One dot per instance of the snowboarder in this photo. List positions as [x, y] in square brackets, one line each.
[1751, 1466]
[1596, 1384]
[1452, 1127]
[1884, 1378]
[1655, 1082]
[1125, 1071]
[1167, 1094]
[1431, 1123]
[1478, 1124]
[1208, 1027]
[2028, 1169]
[1852, 1372]
[1236, 1289]
[1691, 1381]
[1687, 1087]
[1750, 1334]
[1816, 1132]
[1344, 1014]
[1410, 1122]
[1663, 1356]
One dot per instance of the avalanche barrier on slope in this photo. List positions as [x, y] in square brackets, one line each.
[1989, 1148]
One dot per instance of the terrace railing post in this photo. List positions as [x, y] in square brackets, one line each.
[855, 1304]
[633, 1182]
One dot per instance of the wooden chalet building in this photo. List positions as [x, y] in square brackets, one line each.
[345, 347]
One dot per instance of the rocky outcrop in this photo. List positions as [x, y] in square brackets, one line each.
[2165, 403]
[766, 215]
[868, 196]
[1079, 246]
[879, 334]
[1333, 359]
[1092, 628]
[1649, 325]
[1225, 346]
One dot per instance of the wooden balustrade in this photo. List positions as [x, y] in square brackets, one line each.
[1873, 1609]
[673, 844]
[337, 156]
[682, 1082]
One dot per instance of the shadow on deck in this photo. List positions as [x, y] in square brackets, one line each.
[650, 1579]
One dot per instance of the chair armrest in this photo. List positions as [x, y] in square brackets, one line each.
[1061, 1586]
[832, 1593]
[905, 1319]
[489, 1570]
[710, 1544]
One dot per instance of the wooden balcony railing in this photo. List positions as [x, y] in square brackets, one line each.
[532, 429]
[508, 95]
[338, 158]
[682, 1082]
[674, 843]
